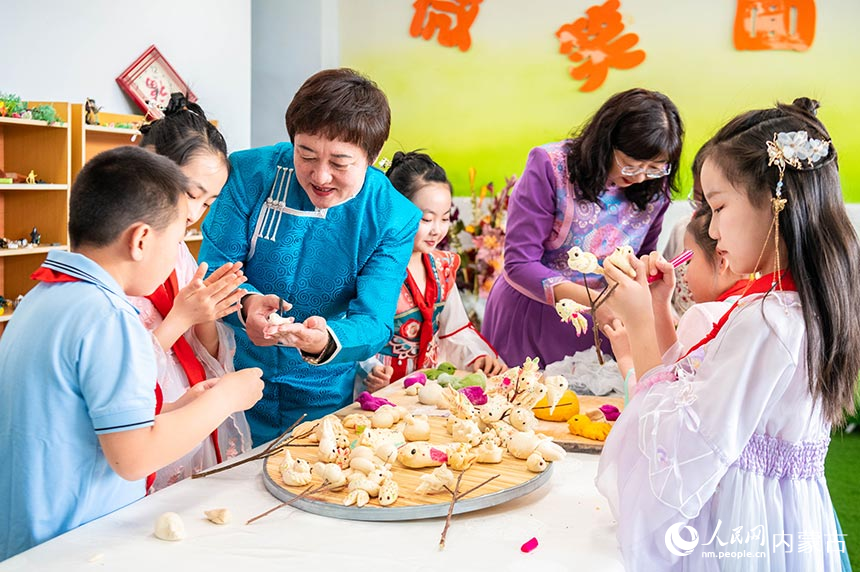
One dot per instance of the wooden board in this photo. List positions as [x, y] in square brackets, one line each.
[557, 430]
[514, 480]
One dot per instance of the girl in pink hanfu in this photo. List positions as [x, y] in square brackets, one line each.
[717, 463]
[430, 324]
[193, 347]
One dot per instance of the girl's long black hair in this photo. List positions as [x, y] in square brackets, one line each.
[823, 250]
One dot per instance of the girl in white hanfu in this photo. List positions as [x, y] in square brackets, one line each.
[193, 347]
[718, 461]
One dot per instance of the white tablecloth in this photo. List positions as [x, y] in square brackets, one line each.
[570, 519]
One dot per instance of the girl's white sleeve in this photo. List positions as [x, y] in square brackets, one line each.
[459, 341]
[673, 444]
[695, 324]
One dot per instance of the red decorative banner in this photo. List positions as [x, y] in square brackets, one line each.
[598, 43]
[775, 25]
[452, 18]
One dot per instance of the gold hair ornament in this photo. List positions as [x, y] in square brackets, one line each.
[790, 148]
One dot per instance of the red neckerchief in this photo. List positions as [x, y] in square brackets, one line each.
[760, 286]
[736, 289]
[426, 303]
[43, 274]
[162, 299]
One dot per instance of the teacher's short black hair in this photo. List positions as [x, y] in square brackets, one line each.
[341, 104]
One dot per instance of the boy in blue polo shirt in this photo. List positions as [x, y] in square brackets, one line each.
[78, 431]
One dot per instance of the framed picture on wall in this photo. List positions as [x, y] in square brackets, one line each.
[150, 80]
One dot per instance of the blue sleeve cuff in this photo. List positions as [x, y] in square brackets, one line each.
[124, 421]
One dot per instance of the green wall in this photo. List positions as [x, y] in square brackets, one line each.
[485, 108]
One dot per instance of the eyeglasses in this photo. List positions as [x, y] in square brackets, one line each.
[629, 171]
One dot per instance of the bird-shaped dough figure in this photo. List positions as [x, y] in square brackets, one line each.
[571, 313]
[620, 258]
[295, 472]
[583, 261]
[436, 481]
[584, 427]
[556, 385]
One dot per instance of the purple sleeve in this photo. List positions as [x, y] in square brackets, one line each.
[531, 214]
[649, 243]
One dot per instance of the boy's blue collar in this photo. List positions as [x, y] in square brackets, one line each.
[85, 269]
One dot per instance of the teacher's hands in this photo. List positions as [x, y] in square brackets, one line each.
[256, 309]
[310, 336]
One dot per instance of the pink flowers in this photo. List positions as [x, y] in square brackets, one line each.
[483, 261]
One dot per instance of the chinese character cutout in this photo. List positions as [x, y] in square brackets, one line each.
[441, 15]
[598, 43]
[774, 25]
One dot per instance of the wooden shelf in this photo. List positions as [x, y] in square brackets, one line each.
[194, 238]
[6, 316]
[36, 187]
[32, 122]
[27, 250]
[116, 130]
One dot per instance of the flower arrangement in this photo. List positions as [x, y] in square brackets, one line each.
[480, 241]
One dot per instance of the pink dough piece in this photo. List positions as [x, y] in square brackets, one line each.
[438, 455]
[370, 403]
[529, 545]
[610, 412]
[475, 393]
[412, 379]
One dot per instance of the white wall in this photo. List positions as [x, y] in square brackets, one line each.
[291, 40]
[68, 50]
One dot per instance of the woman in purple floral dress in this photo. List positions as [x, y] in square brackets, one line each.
[608, 186]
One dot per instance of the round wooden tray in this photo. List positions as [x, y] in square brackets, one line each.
[514, 480]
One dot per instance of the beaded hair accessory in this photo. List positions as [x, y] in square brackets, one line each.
[792, 148]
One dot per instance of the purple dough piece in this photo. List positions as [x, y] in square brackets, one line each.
[417, 377]
[610, 412]
[475, 393]
[370, 403]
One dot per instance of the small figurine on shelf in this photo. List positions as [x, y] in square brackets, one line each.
[92, 112]
[4, 303]
[4, 242]
[31, 178]
[35, 237]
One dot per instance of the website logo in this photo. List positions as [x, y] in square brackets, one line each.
[676, 544]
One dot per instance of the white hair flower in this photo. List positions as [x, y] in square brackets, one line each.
[793, 147]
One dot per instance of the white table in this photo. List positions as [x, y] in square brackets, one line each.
[570, 519]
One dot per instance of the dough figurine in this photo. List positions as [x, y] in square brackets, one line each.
[421, 454]
[620, 259]
[584, 427]
[436, 481]
[582, 261]
[571, 313]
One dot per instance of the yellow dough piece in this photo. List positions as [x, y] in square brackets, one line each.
[567, 407]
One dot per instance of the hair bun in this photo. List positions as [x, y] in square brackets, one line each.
[178, 102]
[806, 104]
[396, 161]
